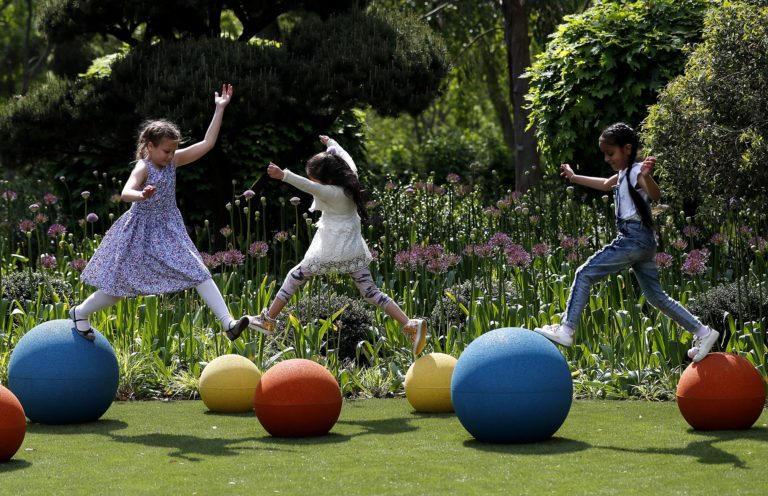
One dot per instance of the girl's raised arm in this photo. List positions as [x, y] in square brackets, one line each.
[333, 146]
[194, 152]
[599, 183]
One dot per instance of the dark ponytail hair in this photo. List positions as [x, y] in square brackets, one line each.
[620, 134]
[329, 168]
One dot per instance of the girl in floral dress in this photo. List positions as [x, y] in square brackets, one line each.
[338, 245]
[147, 250]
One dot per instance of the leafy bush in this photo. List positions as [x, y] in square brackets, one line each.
[742, 300]
[448, 312]
[606, 65]
[709, 128]
[27, 285]
[353, 324]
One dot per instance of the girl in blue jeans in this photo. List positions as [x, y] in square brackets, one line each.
[634, 246]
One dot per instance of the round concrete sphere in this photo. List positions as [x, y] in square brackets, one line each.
[228, 383]
[511, 385]
[297, 398]
[721, 392]
[428, 383]
[61, 378]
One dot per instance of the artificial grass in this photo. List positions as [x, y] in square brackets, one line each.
[383, 447]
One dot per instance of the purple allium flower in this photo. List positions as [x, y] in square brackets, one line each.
[26, 225]
[374, 254]
[41, 218]
[492, 212]
[690, 231]
[403, 261]
[696, 262]
[370, 205]
[504, 203]
[56, 230]
[389, 186]
[410, 191]
[231, 257]
[85, 194]
[500, 239]
[758, 243]
[295, 200]
[78, 265]
[572, 257]
[50, 199]
[34, 207]
[718, 239]
[663, 260]
[745, 230]
[47, 261]
[226, 231]
[210, 261]
[91, 217]
[248, 194]
[680, 244]
[484, 250]
[517, 256]
[540, 250]
[442, 263]
[534, 219]
[568, 243]
[258, 249]
[453, 178]
[281, 236]
[469, 250]
[9, 195]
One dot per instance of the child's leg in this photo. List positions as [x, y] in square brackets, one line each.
[611, 259]
[414, 329]
[371, 294]
[93, 303]
[648, 276]
[296, 278]
[215, 301]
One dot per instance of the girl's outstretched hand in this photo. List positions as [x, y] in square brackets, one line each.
[647, 167]
[275, 172]
[226, 94]
[566, 171]
[324, 139]
[148, 192]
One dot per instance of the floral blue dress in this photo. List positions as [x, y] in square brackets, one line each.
[147, 250]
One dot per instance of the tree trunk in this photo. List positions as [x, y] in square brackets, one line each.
[495, 94]
[527, 172]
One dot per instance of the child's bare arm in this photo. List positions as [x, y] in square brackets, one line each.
[599, 183]
[646, 181]
[134, 189]
[194, 152]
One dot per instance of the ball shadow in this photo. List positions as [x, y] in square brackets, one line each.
[13, 464]
[101, 426]
[552, 446]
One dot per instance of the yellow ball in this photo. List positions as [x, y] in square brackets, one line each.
[228, 383]
[428, 383]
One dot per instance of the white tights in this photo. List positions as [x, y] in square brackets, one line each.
[208, 291]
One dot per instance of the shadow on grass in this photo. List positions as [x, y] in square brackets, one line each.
[551, 446]
[380, 426]
[13, 465]
[704, 450]
[102, 426]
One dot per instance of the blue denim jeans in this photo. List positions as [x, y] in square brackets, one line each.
[635, 246]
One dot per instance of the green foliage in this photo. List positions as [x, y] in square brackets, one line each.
[29, 286]
[742, 300]
[285, 95]
[449, 311]
[607, 65]
[352, 326]
[709, 128]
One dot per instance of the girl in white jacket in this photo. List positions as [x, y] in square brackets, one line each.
[338, 245]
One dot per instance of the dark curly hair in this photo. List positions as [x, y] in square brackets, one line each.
[621, 134]
[329, 168]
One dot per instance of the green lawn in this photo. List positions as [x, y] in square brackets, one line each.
[383, 447]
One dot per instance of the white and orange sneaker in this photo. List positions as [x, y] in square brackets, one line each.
[416, 331]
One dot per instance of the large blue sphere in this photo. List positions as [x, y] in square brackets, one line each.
[511, 385]
[61, 378]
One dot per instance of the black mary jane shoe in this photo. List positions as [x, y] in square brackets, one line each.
[237, 328]
[88, 334]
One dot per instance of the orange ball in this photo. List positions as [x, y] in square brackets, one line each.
[722, 392]
[13, 424]
[297, 398]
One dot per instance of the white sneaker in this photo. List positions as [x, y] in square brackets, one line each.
[702, 346]
[416, 331]
[556, 333]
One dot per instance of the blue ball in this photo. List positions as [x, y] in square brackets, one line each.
[511, 385]
[61, 378]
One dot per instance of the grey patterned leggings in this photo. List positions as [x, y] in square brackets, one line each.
[363, 279]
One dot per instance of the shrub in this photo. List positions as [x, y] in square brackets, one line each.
[448, 312]
[606, 65]
[742, 300]
[353, 324]
[709, 129]
[27, 285]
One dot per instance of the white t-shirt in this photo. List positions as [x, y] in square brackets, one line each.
[625, 207]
